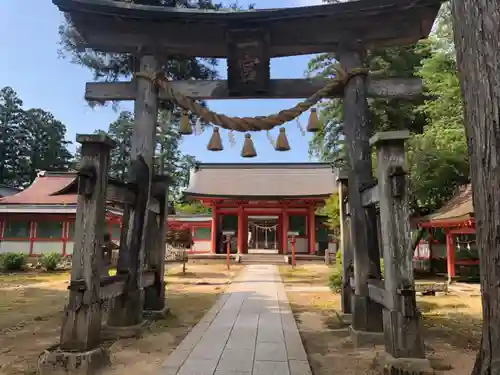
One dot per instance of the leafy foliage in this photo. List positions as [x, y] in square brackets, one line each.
[331, 210]
[437, 153]
[384, 114]
[50, 261]
[191, 208]
[30, 140]
[13, 261]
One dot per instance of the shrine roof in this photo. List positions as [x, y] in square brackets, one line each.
[122, 27]
[262, 181]
[458, 208]
[47, 188]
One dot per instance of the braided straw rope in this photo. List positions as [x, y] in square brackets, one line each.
[244, 124]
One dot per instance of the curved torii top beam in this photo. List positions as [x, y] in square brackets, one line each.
[113, 26]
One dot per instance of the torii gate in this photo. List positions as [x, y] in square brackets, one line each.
[248, 39]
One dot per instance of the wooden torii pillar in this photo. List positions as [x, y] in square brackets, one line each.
[126, 312]
[345, 244]
[366, 314]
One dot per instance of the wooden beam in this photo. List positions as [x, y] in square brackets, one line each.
[120, 194]
[369, 196]
[279, 89]
[376, 292]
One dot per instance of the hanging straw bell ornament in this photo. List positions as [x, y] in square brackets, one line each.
[248, 150]
[282, 141]
[215, 143]
[185, 127]
[313, 125]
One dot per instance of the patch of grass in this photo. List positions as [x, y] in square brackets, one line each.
[454, 319]
[306, 274]
[31, 277]
[28, 313]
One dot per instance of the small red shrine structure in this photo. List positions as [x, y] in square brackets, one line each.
[455, 218]
[261, 203]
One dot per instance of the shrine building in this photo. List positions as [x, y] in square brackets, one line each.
[260, 203]
[264, 204]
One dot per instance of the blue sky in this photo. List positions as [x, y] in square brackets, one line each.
[30, 64]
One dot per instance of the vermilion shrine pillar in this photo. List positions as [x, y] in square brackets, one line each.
[312, 230]
[450, 256]
[213, 231]
[284, 231]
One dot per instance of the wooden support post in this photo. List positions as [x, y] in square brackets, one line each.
[127, 310]
[228, 251]
[241, 230]
[81, 328]
[154, 299]
[80, 350]
[401, 317]
[345, 245]
[366, 313]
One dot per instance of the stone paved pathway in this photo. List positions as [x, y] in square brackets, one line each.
[249, 331]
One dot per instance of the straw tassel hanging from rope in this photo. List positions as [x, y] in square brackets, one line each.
[185, 127]
[215, 143]
[248, 150]
[313, 125]
[282, 141]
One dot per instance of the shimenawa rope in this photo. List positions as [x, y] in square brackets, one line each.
[244, 124]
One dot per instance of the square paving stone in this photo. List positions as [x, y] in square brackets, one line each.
[299, 367]
[198, 367]
[270, 368]
[270, 351]
[236, 359]
[176, 358]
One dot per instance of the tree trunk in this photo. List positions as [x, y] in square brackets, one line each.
[477, 39]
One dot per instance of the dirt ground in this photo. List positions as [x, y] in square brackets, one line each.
[451, 328]
[31, 308]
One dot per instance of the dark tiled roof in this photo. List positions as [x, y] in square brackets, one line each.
[458, 208]
[47, 188]
[262, 180]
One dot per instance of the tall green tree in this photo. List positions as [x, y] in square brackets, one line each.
[121, 131]
[43, 145]
[168, 157]
[384, 114]
[30, 140]
[11, 113]
[437, 157]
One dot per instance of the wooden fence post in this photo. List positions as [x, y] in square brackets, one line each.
[401, 317]
[345, 244]
[81, 328]
[126, 311]
[366, 314]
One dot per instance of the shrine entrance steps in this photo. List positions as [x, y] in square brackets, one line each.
[261, 258]
[249, 331]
